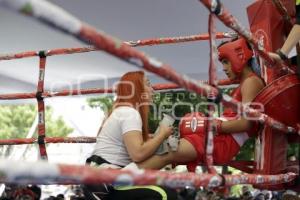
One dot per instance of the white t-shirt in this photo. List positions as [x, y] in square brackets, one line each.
[110, 144]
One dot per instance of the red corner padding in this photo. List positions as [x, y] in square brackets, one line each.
[281, 100]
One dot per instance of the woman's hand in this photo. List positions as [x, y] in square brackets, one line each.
[298, 128]
[166, 130]
[275, 57]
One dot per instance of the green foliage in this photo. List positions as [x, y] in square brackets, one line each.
[293, 150]
[235, 190]
[247, 150]
[177, 103]
[56, 127]
[105, 103]
[16, 120]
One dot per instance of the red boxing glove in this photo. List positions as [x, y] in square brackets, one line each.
[192, 123]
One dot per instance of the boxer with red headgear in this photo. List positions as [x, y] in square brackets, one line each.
[237, 53]
[232, 132]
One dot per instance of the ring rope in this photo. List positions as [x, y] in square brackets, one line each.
[159, 86]
[21, 141]
[209, 144]
[49, 173]
[144, 42]
[170, 40]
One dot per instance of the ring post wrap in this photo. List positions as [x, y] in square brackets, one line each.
[237, 53]
[163, 147]
[281, 101]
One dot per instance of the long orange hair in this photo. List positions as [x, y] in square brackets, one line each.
[130, 92]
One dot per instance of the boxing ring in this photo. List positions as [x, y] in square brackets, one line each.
[46, 173]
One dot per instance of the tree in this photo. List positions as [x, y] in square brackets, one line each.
[104, 103]
[16, 120]
[178, 103]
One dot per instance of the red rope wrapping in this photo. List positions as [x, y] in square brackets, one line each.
[144, 42]
[213, 50]
[170, 40]
[212, 81]
[20, 141]
[46, 173]
[41, 109]
[160, 86]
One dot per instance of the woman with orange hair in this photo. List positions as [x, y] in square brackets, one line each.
[123, 138]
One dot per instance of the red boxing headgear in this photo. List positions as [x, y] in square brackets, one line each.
[237, 52]
[192, 123]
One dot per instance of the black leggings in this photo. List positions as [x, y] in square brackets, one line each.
[107, 192]
[150, 192]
